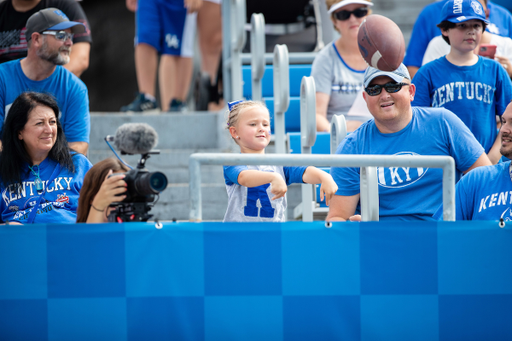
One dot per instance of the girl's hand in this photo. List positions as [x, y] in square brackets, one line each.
[278, 187]
[328, 188]
[109, 191]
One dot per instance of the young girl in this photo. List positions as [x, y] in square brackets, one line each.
[256, 193]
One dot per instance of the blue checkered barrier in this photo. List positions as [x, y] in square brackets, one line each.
[254, 281]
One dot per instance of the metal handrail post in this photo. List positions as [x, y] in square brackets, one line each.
[369, 194]
[308, 138]
[257, 54]
[237, 19]
[338, 131]
[196, 210]
[446, 163]
[281, 95]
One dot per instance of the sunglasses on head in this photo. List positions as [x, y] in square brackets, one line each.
[390, 87]
[358, 13]
[60, 35]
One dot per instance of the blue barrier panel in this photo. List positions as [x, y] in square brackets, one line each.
[253, 281]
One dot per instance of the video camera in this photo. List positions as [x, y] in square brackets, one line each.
[143, 187]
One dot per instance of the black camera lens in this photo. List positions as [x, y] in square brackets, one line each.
[150, 183]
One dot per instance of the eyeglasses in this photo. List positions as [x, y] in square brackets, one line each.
[358, 13]
[390, 88]
[60, 35]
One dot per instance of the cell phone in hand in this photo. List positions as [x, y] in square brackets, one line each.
[487, 50]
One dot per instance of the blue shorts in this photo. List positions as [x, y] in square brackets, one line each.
[165, 25]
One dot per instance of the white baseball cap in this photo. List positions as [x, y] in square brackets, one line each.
[348, 2]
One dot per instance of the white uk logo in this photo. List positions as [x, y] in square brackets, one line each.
[172, 41]
[396, 177]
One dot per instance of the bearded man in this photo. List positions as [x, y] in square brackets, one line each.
[49, 38]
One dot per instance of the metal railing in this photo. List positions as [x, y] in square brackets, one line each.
[281, 95]
[368, 195]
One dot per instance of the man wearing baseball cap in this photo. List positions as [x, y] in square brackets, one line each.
[13, 19]
[397, 128]
[49, 35]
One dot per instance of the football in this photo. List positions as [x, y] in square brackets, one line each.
[381, 42]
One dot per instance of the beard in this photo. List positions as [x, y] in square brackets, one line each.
[506, 151]
[54, 57]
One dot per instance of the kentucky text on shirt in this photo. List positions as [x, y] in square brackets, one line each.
[463, 91]
[496, 199]
[14, 192]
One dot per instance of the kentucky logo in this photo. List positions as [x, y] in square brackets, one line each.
[396, 177]
[477, 7]
[507, 215]
[63, 198]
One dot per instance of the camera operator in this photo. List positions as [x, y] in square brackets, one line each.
[99, 191]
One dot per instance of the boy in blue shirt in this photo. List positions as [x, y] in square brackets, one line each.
[475, 88]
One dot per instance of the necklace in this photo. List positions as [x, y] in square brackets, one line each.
[37, 182]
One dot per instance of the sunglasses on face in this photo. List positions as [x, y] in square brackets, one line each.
[358, 13]
[391, 88]
[60, 35]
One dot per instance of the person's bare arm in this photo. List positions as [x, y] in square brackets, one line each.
[193, 5]
[80, 147]
[505, 62]
[412, 70]
[79, 58]
[342, 208]
[483, 160]
[328, 186]
[254, 178]
[322, 102]
[494, 153]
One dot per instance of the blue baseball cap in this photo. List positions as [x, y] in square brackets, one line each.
[51, 19]
[397, 75]
[456, 11]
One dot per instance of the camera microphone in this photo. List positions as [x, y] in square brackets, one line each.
[135, 138]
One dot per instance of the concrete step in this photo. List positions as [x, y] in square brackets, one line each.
[176, 131]
[173, 163]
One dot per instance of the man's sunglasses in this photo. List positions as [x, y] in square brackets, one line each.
[358, 13]
[60, 35]
[391, 88]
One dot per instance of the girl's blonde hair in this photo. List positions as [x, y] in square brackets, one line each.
[238, 108]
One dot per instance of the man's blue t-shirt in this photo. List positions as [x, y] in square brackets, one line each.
[409, 193]
[476, 93]
[485, 193]
[68, 89]
[425, 29]
[60, 201]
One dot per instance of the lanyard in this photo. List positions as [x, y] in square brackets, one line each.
[32, 215]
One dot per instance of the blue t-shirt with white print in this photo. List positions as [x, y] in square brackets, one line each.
[485, 193]
[59, 202]
[255, 203]
[409, 193]
[476, 93]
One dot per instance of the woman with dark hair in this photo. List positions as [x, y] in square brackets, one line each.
[40, 177]
[100, 189]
